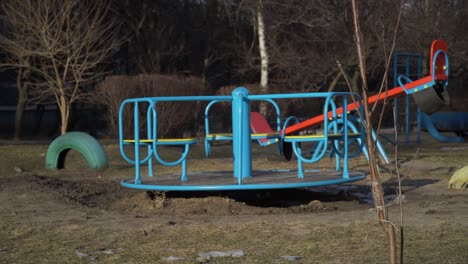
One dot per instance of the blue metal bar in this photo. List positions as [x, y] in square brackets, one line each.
[418, 110]
[395, 84]
[395, 112]
[380, 148]
[300, 169]
[407, 102]
[407, 56]
[207, 126]
[407, 118]
[418, 116]
[136, 136]
[156, 143]
[128, 184]
[207, 140]
[345, 141]
[121, 134]
[180, 98]
[315, 155]
[300, 95]
[241, 134]
[149, 136]
[407, 66]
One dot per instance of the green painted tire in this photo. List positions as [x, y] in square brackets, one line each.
[85, 144]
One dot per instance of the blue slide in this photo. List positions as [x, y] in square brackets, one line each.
[446, 121]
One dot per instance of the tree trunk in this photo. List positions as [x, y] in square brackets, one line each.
[263, 54]
[22, 97]
[335, 81]
[354, 81]
[64, 108]
[377, 190]
[19, 113]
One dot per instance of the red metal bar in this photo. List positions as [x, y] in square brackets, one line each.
[373, 99]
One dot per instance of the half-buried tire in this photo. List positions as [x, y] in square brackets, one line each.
[85, 144]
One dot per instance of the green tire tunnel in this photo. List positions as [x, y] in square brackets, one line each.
[85, 144]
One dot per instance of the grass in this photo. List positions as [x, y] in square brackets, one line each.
[33, 232]
[262, 243]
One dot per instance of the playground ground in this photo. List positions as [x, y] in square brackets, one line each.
[79, 216]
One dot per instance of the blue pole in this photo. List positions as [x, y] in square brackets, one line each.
[241, 134]
[407, 119]
[407, 101]
[395, 84]
[395, 112]
[150, 117]
[345, 134]
[418, 109]
[136, 131]
[380, 148]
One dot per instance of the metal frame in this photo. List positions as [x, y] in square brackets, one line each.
[210, 136]
[241, 136]
[241, 140]
[407, 57]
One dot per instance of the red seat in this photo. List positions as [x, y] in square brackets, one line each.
[259, 125]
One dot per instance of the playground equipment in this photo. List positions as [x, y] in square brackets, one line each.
[260, 127]
[436, 123]
[338, 133]
[438, 79]
[340, 129]
[410, 65]
[429, 101]
[85, 144]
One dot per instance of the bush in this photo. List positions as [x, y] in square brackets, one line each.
[175, 119]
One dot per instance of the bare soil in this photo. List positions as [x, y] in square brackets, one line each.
[76, 215]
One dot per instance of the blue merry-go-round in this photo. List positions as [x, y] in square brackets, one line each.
[340, 128]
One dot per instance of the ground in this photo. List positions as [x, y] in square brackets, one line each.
[76, 215]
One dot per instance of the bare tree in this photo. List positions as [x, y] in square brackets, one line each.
[17, 58]
[376, 184]
[67, 44]
[303, 40]
[22, 75]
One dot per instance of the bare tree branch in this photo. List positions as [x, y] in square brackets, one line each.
[67, 44]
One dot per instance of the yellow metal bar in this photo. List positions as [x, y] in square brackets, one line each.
[219, 135]
[253, 135]
[161, 140]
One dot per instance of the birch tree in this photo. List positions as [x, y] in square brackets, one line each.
[263, 54]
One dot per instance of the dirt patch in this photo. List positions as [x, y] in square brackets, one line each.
[112, 197]
[76, 215]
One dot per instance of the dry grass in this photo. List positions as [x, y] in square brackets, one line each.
[262, 242]
[47, 220]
